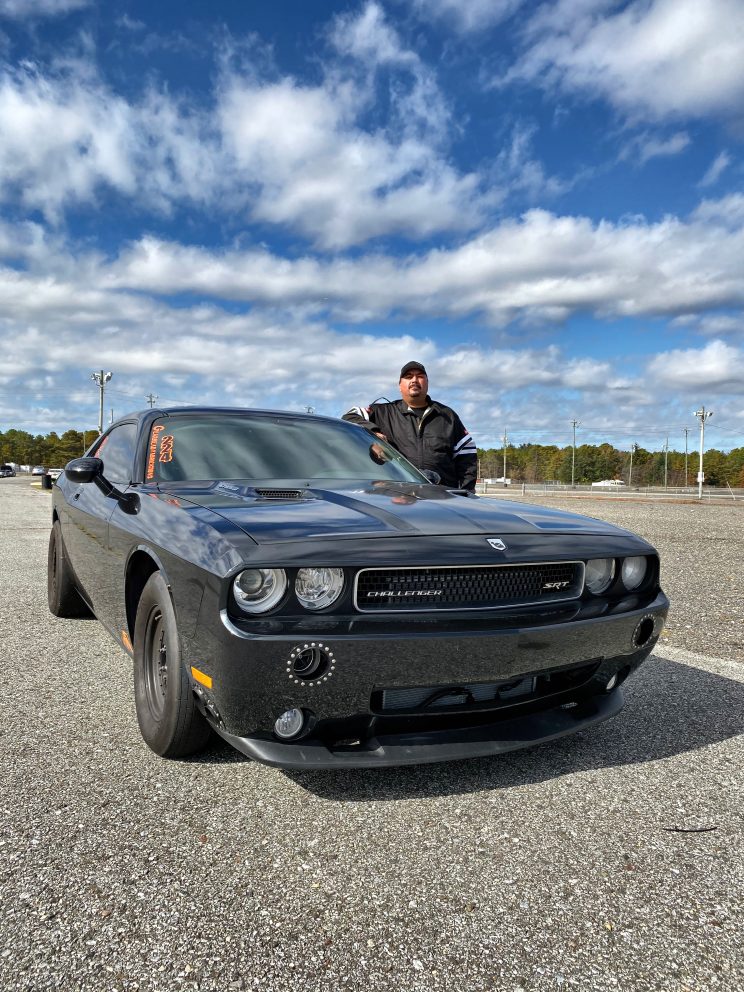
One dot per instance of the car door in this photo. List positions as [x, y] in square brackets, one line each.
[85, 531]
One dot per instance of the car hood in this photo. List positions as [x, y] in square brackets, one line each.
[289, 511]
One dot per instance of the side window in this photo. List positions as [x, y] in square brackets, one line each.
[117, 453]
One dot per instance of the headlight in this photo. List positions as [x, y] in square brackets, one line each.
[257, 590]
[317, 588]
[634, 572]
[599, 574]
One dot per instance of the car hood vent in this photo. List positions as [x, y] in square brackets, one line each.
[280, 493]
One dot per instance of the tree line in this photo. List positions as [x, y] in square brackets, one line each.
[595, 462]
[524, 462]
[49, 450]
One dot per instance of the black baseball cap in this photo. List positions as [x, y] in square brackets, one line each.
[410, 366]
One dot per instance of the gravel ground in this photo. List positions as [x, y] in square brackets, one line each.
[702, 557]
[610, 860]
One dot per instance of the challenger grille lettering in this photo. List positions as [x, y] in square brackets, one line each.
[555, 585]
[399, 593]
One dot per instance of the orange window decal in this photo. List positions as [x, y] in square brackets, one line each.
[166, 448]
[156, 431]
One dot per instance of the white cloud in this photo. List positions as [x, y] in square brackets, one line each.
[717, 366]
[646, 146]
[467, 15]
[517, 170]
[726, 212]
[66, 137]
[650, 58]
[22, 10]
[716, 169]
[716, 324]
[368, 37]
[541, 267]
[321, 174]
[203, 354]
[273, 151]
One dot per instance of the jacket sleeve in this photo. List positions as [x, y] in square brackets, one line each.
[364, 416]
[465, 457]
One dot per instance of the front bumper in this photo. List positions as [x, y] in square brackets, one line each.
[386, 750]
[252, 681]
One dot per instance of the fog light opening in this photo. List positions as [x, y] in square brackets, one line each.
[311, 662]
[643, 632]
[292, 724]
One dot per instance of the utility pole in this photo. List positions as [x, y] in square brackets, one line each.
[151, 400]
[101, 378]
[702, 414]
[687, 431]
[633, 447]
[505, 439]
[574, 424]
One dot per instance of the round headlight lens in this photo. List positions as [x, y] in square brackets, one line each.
[599, 574]
[317, 588]
[257, 590]
[634, 572]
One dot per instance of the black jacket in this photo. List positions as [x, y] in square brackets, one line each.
[437, 440]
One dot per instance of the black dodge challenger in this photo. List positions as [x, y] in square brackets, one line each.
[295, 585]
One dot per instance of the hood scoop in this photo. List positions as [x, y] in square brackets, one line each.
[280, 493]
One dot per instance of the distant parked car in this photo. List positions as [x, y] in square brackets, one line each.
[54, 472]
[37, 470]
[609, 483]
[6, 471]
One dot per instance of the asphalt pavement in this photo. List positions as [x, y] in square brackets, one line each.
[612, 860]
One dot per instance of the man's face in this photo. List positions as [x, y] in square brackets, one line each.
[414, 386]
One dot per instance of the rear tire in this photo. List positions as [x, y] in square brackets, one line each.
[168, 717]
[64, 599]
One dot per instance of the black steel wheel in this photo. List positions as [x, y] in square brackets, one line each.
[168, 717]
[64, 599]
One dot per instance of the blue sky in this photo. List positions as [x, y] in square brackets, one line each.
[278, 205]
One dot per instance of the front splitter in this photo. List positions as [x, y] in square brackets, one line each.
[385, 751]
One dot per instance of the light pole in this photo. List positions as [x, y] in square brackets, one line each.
[505, 439]
[633, 447]
[666, 456]
[101, 378]
[575, 424]
[702, 414]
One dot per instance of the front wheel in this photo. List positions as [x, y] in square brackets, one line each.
[168, 717]
[64, 599]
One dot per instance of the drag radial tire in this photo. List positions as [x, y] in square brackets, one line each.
[169, 719]
[64, 599]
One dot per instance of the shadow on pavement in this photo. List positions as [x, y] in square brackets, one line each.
[670, 709]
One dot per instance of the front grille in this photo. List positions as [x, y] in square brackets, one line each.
[280, 493]
[468, 587]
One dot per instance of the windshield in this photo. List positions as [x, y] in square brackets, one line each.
[224, 446]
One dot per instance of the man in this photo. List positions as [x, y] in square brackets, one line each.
[427, 433]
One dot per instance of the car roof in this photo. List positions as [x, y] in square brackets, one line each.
[155, 413]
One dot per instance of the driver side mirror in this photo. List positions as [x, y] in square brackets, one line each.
[85, 469]
[433, 477]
